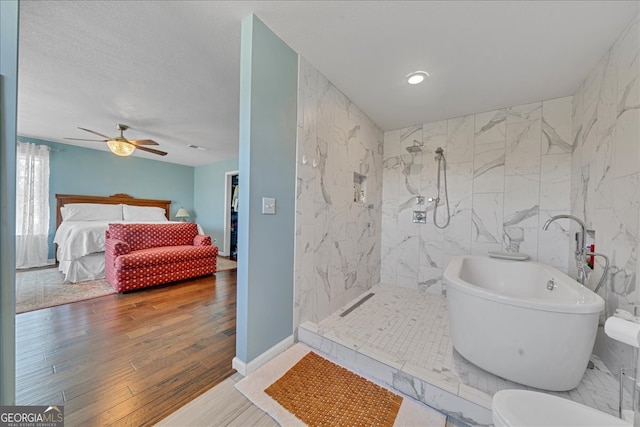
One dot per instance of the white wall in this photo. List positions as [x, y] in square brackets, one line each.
[337, 240]
[605, 184]
[508, 171]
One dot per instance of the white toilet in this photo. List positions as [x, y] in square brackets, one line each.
[523, 408]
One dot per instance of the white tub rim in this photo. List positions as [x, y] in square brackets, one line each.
[452, 279]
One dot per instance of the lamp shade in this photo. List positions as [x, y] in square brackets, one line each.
[182, 214]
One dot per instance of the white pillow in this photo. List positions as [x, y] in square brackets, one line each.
[143, 213]
[91, 212]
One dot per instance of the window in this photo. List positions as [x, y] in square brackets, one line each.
[32, 205]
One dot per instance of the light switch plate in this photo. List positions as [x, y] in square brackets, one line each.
[268, 206]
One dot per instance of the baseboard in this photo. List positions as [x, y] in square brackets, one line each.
[245, 369]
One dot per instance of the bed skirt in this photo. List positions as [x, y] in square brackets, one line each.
[88, 267]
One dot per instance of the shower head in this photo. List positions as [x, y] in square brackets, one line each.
[415, 148]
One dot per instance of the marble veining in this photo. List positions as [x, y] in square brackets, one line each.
[605, 184]
[460, 134]
[524, 142]
[490, 126]
[553, 139]
[486, 167]
[487, 217]
[500, 177]
[525, 112]
[555, 182]
[337, 239]
[555, 128]
[602, 168]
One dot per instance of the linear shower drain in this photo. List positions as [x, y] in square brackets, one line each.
[357, 304]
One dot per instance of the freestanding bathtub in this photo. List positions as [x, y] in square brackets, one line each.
[504, 319]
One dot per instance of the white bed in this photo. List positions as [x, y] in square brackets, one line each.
[81, 224]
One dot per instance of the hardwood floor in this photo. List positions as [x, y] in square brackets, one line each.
[129, 359]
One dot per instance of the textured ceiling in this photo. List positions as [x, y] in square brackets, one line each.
[170, 70]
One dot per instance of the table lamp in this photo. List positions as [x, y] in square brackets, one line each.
[182, 214]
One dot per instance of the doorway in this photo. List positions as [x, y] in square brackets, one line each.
[231, 189]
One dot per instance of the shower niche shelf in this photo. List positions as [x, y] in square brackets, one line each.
[359, 188]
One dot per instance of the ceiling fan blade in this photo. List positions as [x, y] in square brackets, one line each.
[143, 142]
[151, 150]
[95, 133]
[82, 139]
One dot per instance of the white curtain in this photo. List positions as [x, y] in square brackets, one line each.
[32, 205]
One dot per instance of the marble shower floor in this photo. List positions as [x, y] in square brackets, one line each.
[407, 330]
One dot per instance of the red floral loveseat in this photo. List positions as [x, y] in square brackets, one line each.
[142, 255]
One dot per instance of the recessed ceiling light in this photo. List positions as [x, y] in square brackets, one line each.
[417, 77]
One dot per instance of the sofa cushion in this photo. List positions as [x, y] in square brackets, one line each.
[164, 255]
[128, 280]
[143, 236]
[167, 269]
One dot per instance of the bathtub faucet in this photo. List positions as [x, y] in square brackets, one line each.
[580, 252]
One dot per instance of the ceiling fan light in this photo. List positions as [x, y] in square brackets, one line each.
[120, 148]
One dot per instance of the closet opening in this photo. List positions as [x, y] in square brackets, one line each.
[230, 246]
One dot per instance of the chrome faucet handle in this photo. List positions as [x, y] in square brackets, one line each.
[551, 284]
[580, 251]
[605, 272]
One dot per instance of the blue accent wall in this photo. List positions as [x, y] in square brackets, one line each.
[268, 120]
[78, 170]
[209, 195]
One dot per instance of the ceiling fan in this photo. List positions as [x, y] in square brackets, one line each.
[121, 146]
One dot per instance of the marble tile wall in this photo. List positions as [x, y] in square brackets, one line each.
[508, 171]
[605, 184]
[337, 245]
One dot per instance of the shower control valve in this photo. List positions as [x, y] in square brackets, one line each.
[419, 200]
[420, 217]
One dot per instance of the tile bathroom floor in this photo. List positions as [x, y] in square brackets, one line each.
[408, 329]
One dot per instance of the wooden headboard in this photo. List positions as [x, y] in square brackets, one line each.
[63, 199]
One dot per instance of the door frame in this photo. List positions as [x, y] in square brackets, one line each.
[226, 245]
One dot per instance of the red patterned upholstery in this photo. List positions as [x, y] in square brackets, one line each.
[143, 236]
[116, 247]
[142, 255]
[201, 240]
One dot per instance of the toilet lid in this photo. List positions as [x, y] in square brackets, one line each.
[530, 408]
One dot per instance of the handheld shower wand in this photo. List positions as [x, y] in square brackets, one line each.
[442, 163]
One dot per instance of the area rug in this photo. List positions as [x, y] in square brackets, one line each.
[322, 393]
[45, 287]
[224, 264]
[42, 288]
